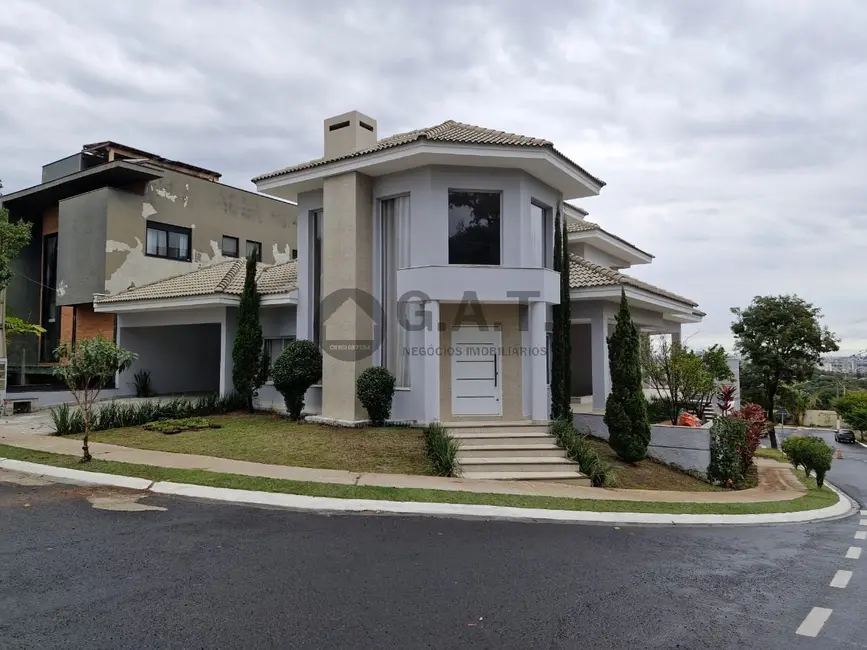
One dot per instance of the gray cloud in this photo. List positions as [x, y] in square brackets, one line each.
[732, 134]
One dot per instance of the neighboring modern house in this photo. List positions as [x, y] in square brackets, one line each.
[454, 225]
[110, 218]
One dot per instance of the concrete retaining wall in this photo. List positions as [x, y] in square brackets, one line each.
[685, 447]
[813, 418]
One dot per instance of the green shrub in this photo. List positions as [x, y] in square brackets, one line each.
[375, 391]
[67, 420]
[600, 472]
[142, 380]
[179, 425]
[794, 449]
[818, 457]
[811, 453]
[441, 449]
[728, 437]
[297, 368]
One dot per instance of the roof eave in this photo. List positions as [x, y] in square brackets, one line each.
[569, 178]
[612, 244]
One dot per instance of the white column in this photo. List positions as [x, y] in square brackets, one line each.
[539, 398]
[675, 335]
[227, 342]
[432, 362]
[599, 356]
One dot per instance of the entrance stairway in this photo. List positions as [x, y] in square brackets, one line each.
[514, 451]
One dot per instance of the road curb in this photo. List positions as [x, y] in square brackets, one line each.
[844, 506]
[76, 475]
[506, 513]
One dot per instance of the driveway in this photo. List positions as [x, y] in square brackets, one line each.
[95, 568]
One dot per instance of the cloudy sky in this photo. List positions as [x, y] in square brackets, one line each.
[732, 135]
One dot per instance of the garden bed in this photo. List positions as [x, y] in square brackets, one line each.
[268, 438]
[649, 474]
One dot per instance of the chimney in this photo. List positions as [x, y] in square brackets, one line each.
[347, 133]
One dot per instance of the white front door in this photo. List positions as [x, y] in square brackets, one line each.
[476, 371]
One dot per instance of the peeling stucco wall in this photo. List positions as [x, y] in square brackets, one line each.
[209, 209]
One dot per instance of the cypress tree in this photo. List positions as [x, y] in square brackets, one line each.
[556, 350]
[247, 348]
[626, 408]
[566, 324]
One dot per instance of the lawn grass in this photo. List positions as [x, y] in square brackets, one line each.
[269, 438]
[649, 474]
[814, 498]
[773, 454]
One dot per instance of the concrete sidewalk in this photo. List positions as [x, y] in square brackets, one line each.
[776, 481]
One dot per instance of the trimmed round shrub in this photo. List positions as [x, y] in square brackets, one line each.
[375, 391]
[297, 368]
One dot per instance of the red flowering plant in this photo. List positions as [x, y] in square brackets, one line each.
[757, 420]
[726, 398]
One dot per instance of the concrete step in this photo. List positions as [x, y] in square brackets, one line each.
[518, 464]
[510, 450]
[575, 476]
[506, 438]
[521, 426]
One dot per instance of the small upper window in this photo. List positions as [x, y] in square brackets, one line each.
[254, 248]
[543, 228]
[474, 227]
[171, 242]
[230, 246]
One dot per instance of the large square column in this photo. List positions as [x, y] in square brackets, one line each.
[599, 358]
[540, 400]
[347, 293]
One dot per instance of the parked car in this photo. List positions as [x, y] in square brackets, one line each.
[844, 435]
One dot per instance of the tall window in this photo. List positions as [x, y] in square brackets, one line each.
[474, 227]
[50, 314]
[230, 246]
[254, 248]
[395, 254]
[165, 240]
[316, 248]
[542, 229]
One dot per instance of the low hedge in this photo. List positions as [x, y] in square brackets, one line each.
[600, 472]
[67, 419]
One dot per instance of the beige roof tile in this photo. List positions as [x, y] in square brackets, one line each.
[223, 277]
[574, 225]
[584, 274]
[449, 132]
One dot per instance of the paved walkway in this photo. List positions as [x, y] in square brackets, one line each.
[776, 481]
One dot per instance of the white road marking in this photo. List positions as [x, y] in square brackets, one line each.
[853, 553]
[861, 534]
[863, 522]
[812, 625]
[841, 579]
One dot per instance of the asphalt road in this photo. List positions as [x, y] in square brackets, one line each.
[201, 575]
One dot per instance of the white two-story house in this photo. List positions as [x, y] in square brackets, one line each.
[430, 253]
